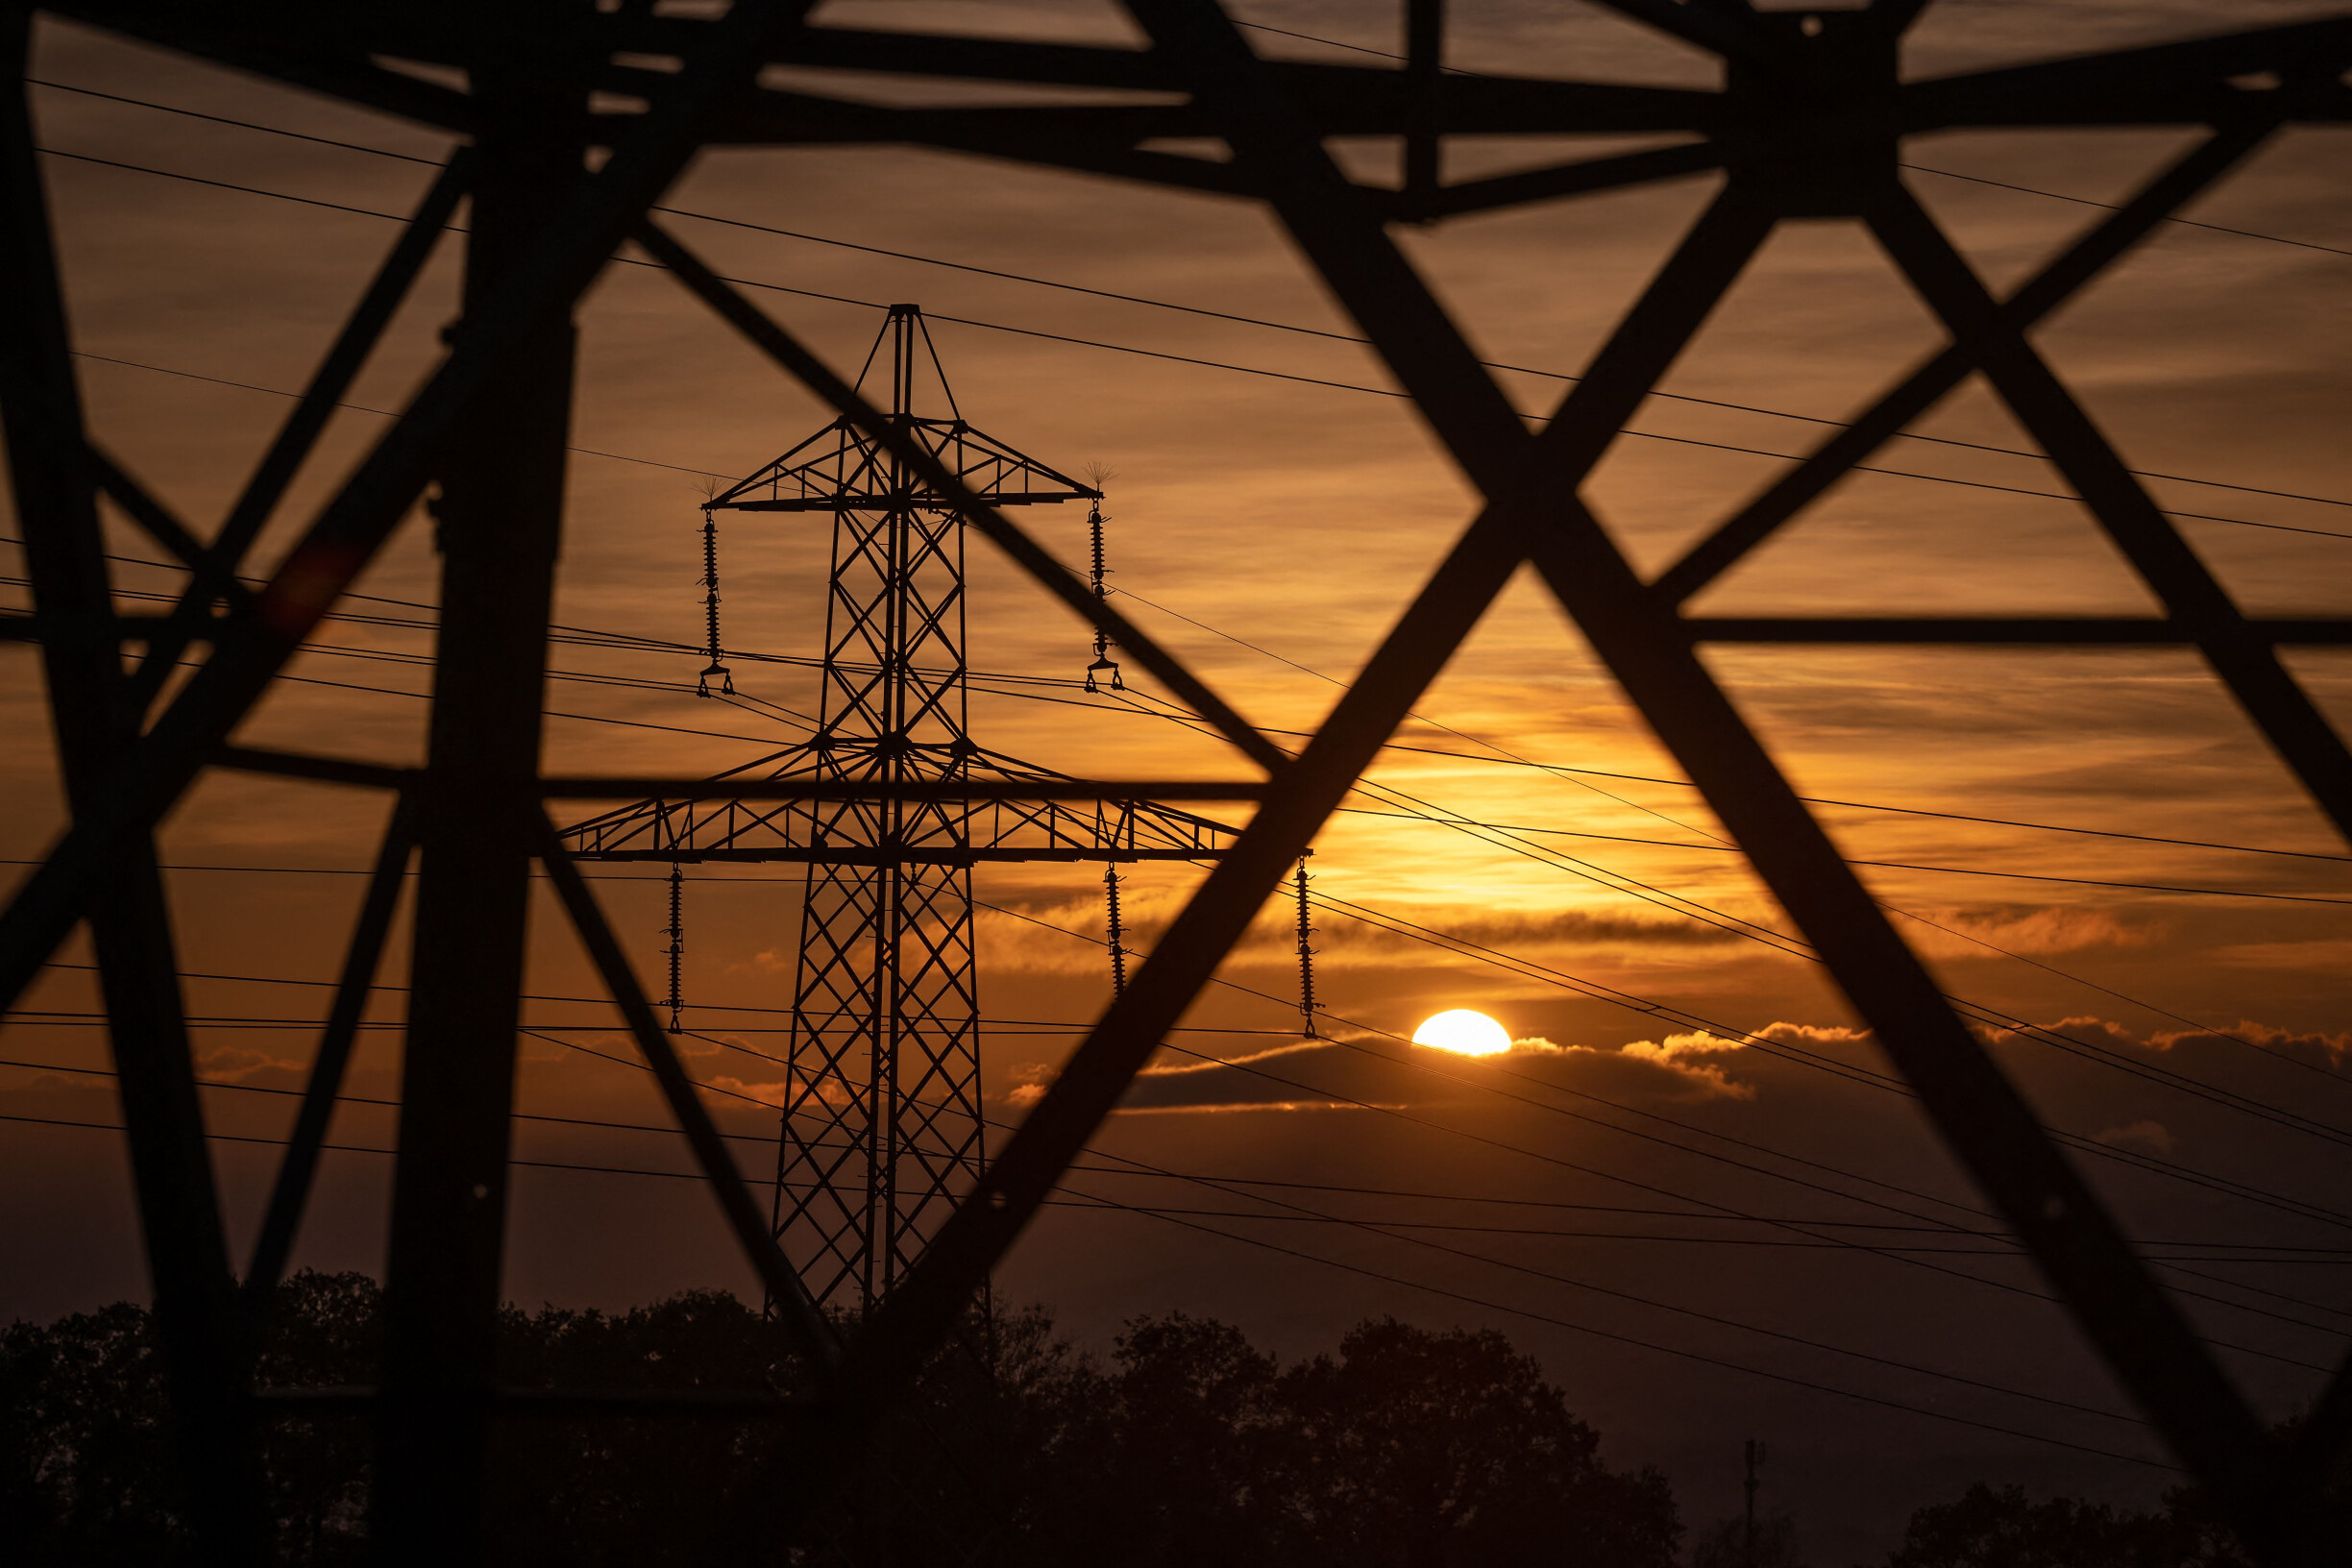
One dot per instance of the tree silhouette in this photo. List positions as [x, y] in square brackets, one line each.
[1725, 1544]
[1422, 1450]
[1406, 1448]
[2005, 1529]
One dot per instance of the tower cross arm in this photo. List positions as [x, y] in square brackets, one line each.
[837, 821]
[842, 469]
[1108, 792]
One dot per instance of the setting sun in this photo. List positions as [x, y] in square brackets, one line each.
[1464, 1033]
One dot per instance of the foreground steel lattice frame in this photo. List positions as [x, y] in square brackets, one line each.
[1807, 127]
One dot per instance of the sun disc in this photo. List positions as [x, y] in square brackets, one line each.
[1464, 1033]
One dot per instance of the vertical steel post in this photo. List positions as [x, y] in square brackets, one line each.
[1424, 71]
[499, 515]
[206, 1354]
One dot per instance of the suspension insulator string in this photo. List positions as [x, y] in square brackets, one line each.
[1103, 662]
[1117, 931]
[676, 931]
[710, 610]
[1306, 958]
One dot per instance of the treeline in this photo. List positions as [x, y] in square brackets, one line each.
[1188, 1445]
[1402, 1447]
[1990, 1526]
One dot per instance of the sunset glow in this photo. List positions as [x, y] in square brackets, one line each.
[1464, 1033]
[986, 604]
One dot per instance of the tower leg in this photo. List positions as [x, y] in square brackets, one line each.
[205, 1349]
[500, 522]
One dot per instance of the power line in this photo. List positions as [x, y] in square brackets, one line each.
[1225, 316]
[2112, 207]
[1692, 909]
[1602, 994]
[1531, 969]
[1645, 1344]
[737, 1094]
[738, 1046]
[1086, 1200]
[1889, 865]
[1500, 757]
[1452, 820]
[2003, 1020]
[51, 1017]
[1819, 1062]
[362, 409]
[599, 1001]
[1981, 1012]
[540, 1032]
[1701, 1024]
[2086, 1145]
[2233, 1252]
[1429, 814]
[1477, 952]
[1504, 757]
[626, 682]
[2320, 1254]
[1433, 814]
[1893, 1254]
[2112, 1059]
[1248, 370]
[1493, 1261]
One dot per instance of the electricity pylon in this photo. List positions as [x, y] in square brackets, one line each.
[882, 1126]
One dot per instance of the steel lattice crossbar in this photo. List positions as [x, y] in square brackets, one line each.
[1807, 124]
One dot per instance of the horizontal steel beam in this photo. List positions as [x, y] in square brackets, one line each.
[309, 46]
[786, 855]
[880, 503]
[1111, 791]
[2216, 103]
[2136, 83]
[2024, 629]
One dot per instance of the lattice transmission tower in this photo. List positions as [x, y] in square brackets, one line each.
[882, 1125]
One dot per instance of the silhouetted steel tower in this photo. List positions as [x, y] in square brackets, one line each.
[882, 1114]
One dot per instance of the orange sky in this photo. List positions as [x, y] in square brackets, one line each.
[1297, 518]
